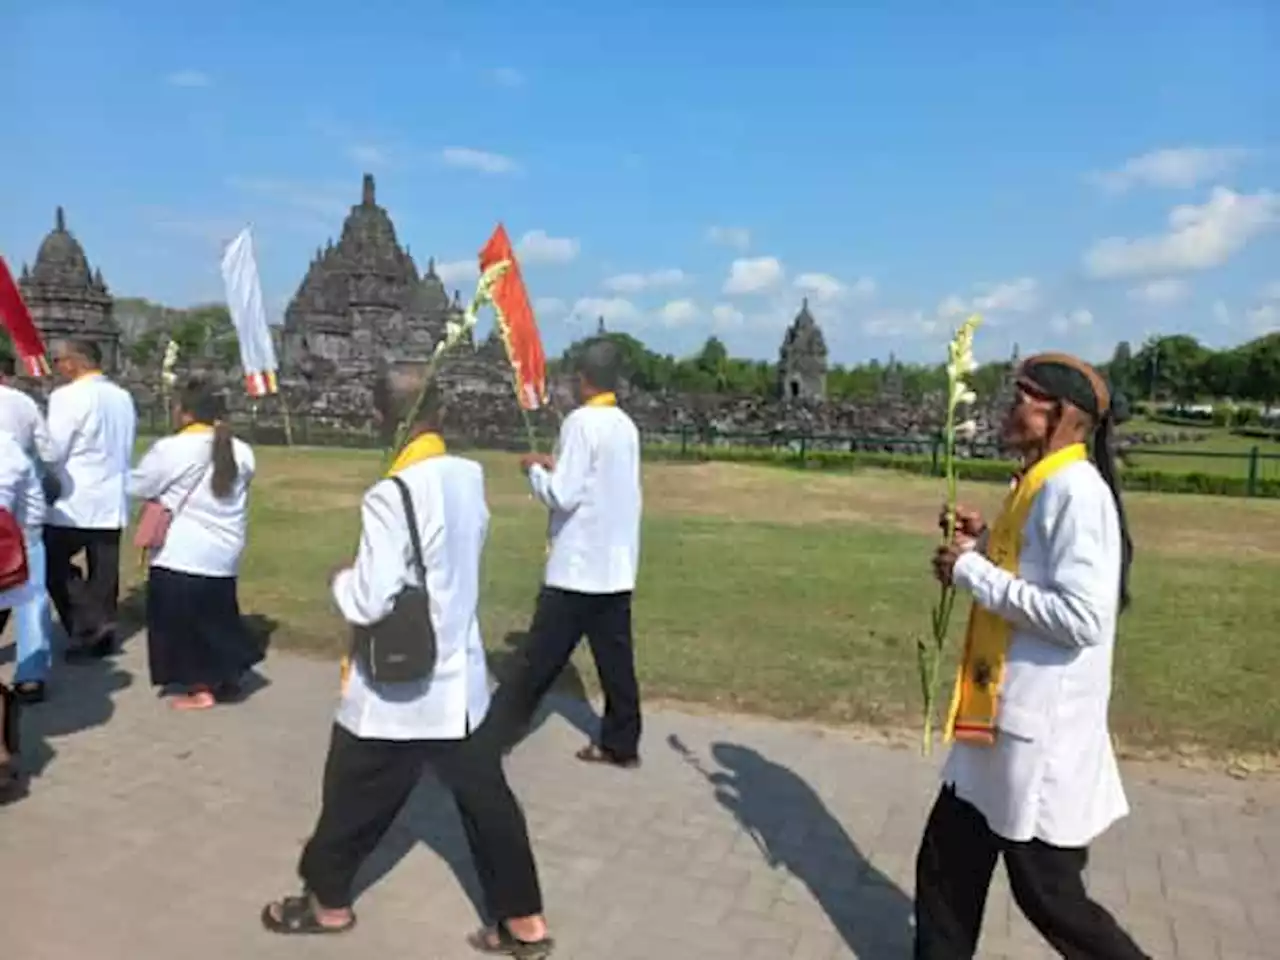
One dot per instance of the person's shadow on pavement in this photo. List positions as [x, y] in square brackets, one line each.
[794, 830]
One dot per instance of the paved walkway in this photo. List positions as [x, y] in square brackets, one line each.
[149, 833]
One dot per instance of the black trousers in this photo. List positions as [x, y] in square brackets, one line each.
[560, 620]
[953, 875]
[86, 602]
[367, 782]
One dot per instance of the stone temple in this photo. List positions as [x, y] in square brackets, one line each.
[802, 359]
[361, 301]
[67, 298]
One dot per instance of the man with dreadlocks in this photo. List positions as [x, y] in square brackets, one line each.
[1032, 775]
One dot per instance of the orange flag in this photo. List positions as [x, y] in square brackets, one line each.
[519, 329]
[17, 320]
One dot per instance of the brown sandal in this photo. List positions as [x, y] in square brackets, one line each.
[593, 753]
[500, 942]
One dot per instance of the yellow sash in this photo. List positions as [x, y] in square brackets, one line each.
[609, 399]
[975, 703]
[422, 447]
[195, 428]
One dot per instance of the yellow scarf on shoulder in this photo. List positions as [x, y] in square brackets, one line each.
[422, 447]
[609, 399]
[975, 703]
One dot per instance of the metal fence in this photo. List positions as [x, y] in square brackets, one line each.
[1261, 461]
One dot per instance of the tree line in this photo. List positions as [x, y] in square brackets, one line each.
[1165, 369]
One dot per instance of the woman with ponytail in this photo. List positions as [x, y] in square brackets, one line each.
[197, 643]
[1032, 776]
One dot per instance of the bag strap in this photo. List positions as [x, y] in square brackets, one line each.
[418, 562]
[192, 489]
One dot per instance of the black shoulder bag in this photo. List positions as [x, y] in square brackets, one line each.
[401, 647]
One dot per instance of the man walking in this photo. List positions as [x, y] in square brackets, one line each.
[592, 489]
[22, 420]
[429, 510]
[92, 423]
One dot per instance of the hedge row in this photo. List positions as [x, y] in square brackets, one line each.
[983, 471]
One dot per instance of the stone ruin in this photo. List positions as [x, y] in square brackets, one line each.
[363, 300]
[67, 297]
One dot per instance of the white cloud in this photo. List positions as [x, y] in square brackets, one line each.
[725, 316]
[1072, 322]
[1199, 237]
[679, 313]
[193, 79]
[899, 323]
[1221, 313]
[1271, 291]
[739, 238]
[458, 272]
[550, 306]
[1264, 318]
[482, 161]
[753, 275]
[1160, 292]
[537, 246]
[507, 77]
[368, 154]
[826, 289]
[1012, 296]
[1176, 168]
[635, 282]
[612, 309]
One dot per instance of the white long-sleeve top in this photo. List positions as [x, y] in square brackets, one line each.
[20, 417]
[595, 501]
[92, 424]
[1052, 773]
[453, 520]
[20, 495]
[207, 535]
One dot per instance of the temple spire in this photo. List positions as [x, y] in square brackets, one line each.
[368, 195]
[600, 331]
[60, 221]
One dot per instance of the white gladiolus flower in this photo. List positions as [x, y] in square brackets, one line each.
[168, 375]
[961, 395]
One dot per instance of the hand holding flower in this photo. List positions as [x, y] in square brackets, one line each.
[968, 522]
[945, 557]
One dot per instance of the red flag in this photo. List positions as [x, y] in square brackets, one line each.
[17, 320]
[516, 322]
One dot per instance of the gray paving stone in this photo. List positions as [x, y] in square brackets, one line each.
[148, 831]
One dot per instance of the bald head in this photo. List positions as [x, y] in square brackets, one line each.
[397, 390]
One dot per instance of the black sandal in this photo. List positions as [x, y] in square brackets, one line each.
[593, 753]
[298, 915]
[508, 944]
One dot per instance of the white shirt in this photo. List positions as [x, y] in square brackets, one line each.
[1051, 774]
[207, 535]
[20, 417]
[92, 422]
[595, 500]
[20, 492]
[453, 520]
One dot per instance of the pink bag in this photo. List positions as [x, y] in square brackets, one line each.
[155, 519]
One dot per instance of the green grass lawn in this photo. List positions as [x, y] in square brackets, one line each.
[1220, 452]
[801, 595]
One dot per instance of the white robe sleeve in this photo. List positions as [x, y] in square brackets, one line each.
[64, 420]
[366, 592]
[152, 475]
[1070, 608]
[564, 488]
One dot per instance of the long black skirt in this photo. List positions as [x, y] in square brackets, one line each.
[195, 635]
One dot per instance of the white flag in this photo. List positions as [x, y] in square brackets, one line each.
[244, 300]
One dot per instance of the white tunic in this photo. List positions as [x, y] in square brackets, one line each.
[1052, 773]
[207, 535]
[595, 500]
[22, 496]
[449, 500]
[20, 417]
[92, 423]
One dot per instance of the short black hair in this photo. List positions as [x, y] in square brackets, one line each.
[86, 350]
[8, 366]
[600, 363]
[200, 398]
[401, 390]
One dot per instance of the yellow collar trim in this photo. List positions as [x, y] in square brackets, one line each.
[422, 447]
[87, 374]
[195, 428]
[609, 399]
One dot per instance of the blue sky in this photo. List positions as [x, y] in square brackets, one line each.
[1080, 172]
